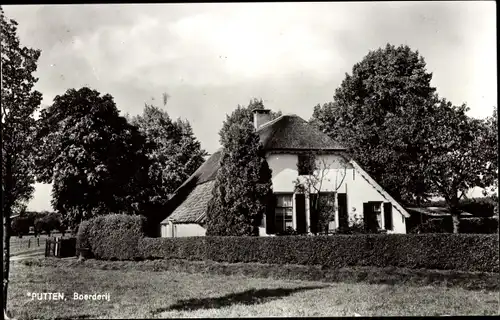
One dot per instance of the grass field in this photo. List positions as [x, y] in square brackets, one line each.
[166, 294]
[29, 244]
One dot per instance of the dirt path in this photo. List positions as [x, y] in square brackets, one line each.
[27, 255]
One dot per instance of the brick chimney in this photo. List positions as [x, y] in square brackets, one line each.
[260, 117]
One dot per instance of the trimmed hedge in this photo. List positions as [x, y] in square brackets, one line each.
[190, 248]
[428, 251]
[113, 236]
[467, 225]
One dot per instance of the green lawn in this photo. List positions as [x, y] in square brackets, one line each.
[166, 294]
[29, 244]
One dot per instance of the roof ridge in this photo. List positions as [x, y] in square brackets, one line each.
[279, 118]
[270, 122]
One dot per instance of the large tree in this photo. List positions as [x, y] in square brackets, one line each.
[95, 159]
[490, 151]
[19, 102]
[175, 153]
[377, 114]
[243, 187]
[460, 153]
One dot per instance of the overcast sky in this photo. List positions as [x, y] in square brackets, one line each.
[211, 57]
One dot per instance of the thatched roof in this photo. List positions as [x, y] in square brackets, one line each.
[291, 132]
[285, 133]
[206, 172]
[193, 195]
[195, 205]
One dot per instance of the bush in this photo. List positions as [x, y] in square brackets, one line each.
[114, 236]
[479, 225]
[288, 232]
[467, 225]
[356, 226]
[20, 226]
[428, 251]
[434, 225]
[82, 238]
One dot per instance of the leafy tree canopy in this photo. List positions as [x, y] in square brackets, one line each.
[175, 153]
[458, 155]
[94, 157]
[377, 114]
[18, 104]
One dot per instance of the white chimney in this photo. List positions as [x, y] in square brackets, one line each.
[260, 117]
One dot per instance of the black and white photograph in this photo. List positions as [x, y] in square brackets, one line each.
[249, 159]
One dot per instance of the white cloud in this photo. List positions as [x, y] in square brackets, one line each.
[255, 42]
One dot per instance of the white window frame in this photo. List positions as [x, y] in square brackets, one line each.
[285, 211]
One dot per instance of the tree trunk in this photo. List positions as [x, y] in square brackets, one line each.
[455, 212]
[7, 208]
[456, 221]
[6, 255]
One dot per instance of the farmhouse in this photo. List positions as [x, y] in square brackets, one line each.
[288, 140]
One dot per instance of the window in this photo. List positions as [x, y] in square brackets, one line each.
[306, 164]
[284, 212]
[377, 210]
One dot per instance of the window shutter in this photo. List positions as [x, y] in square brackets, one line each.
[270, 216]
[388, 216]
[300, 211]
[366, 216]
[342, 207]
[313, 214]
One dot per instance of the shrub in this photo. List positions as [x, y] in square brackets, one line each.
[288, 232]
[20, 226]
[428, 251]
[434, 225]
[355, 226]
[82, 236]
[114, 236]
[467, 225]
[479, 225]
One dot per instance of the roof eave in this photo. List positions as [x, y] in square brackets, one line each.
[297, 150]
[379, 189]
